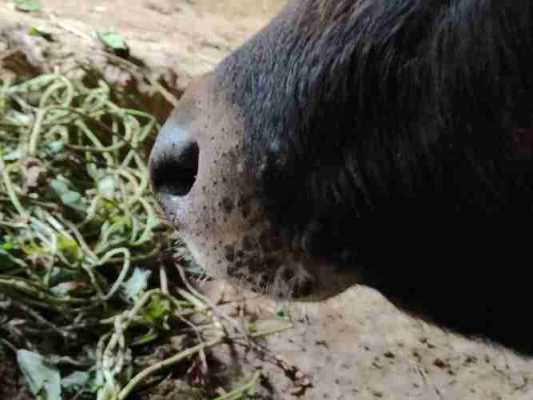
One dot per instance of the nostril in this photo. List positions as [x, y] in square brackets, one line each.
[174, 172]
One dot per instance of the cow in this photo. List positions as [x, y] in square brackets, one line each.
[386, 143]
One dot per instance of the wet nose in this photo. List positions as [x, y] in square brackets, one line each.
[174, 161]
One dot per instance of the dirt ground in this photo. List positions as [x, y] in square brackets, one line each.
[188, 35]
[355, 346]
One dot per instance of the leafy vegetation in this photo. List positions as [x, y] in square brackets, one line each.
[85, 303]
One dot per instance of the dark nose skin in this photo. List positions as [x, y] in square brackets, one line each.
[174, 161]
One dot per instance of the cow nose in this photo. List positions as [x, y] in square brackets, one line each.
[174, 161]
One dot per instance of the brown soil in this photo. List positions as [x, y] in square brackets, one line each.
[11, 385]
[189, 35]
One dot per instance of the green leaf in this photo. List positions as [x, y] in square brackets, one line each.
[4, 102]
[27, 5]
[59, 186]
[62, 289]
[68, 197]
[76, 380]
[137, 284]
[68, 246]
[20, 118]
[106, 186]
[7, 246]
[5, 259]
[13, 155]
[32, 249]
[113, 40]
[157, 309]
[56, 146]
[34, 31]
[146, 338]
[252, 327]
[43, 380]
[282, 314]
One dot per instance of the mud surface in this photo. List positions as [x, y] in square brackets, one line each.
[359, 346]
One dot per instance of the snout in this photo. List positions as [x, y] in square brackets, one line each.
[175, 158]
[173, 164]
[197, 170]
[199, 173]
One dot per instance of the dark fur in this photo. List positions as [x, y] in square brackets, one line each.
[395, 136]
